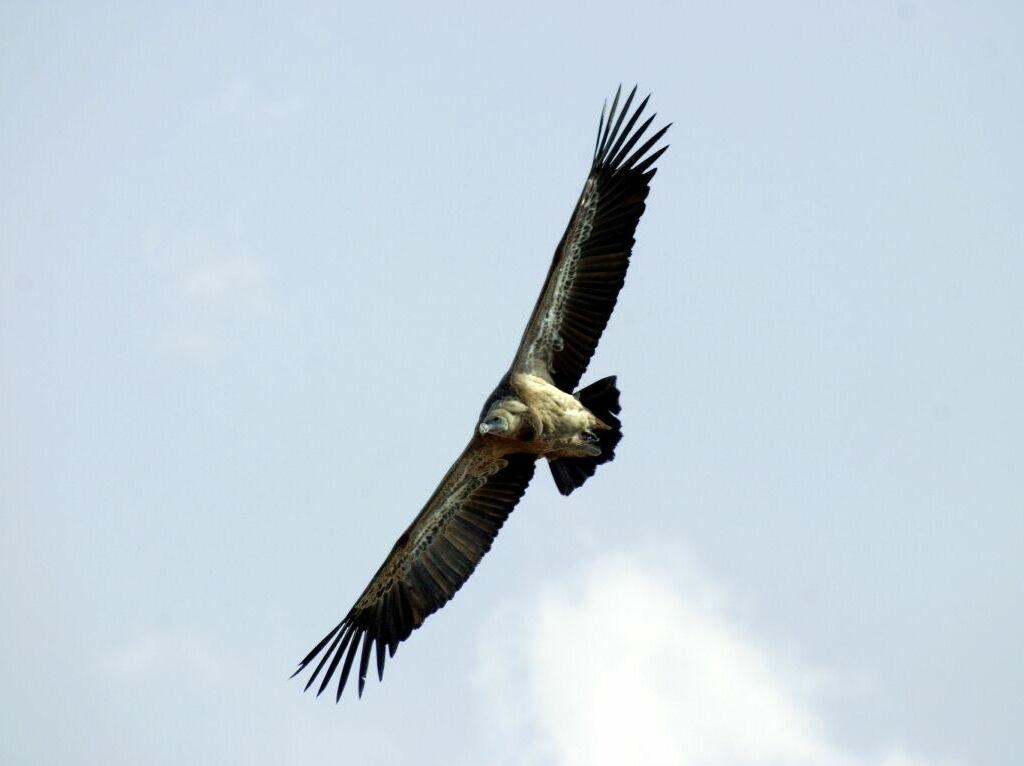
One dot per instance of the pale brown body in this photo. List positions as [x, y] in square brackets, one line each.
[542, 419]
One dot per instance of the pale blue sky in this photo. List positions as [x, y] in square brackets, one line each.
[249, 255]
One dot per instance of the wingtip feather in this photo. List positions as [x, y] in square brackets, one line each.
[364, 662]
[380, 659]
[347, 667]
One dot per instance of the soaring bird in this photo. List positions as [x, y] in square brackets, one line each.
[533, 412]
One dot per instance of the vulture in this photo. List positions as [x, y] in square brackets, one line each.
[535, 412]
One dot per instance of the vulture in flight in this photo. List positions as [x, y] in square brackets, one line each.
[533, 413]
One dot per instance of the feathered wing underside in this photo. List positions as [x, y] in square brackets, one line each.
[590, 262]
[429, 562]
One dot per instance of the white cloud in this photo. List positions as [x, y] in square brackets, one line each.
[621, 664]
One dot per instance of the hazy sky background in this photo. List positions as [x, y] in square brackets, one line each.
[261, 265]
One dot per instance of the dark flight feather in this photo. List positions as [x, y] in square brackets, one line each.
[428, 563]
[590, 262]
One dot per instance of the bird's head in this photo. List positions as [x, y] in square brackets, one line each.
[503, 418]
[494, 424]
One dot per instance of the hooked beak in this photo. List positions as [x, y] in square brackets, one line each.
[496, 425]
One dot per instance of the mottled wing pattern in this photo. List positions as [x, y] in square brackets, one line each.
[428, 563]
[590, 262]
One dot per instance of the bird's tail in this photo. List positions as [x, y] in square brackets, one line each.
[602, 399]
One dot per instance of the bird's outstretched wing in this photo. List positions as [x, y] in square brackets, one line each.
[590, 263]
[429, 562]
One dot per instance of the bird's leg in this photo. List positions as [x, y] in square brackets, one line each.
[589, 444]
[582, 444]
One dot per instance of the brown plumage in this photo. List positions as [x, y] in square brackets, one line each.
[532, 413]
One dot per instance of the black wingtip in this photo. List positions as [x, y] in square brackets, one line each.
[323, 660]
[380, 659]
[335, 652]
[608, 125]
[618, 134]
[364, 662]
[347, 667]
[316, 649]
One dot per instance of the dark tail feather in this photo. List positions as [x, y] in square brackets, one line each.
[601, 398]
